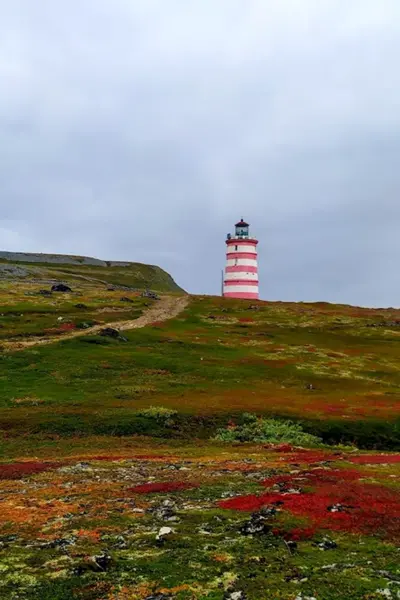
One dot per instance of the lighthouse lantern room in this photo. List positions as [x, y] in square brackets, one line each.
[241, 270]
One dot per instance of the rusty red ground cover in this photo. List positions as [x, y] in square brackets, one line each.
[310, 456]
[334, 499]
[18, 470]
[375, 459]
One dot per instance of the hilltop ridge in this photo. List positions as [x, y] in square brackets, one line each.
[48, 268]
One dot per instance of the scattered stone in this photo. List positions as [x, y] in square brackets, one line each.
[126, 299]
[60, 287]
[84, 325]
[291, 545]
[386, 593]
[164, 533]
[78, 468]
[112, 333]
[45, 293]
[165, 512]
[103, 561]
[120, 543]
[235, 596]
[331, 567]
[98, 563]
[81, 306]
[61, 543]
[326, 544]
[339, 508]
[384, 324]
[258, 522]
[150, 294]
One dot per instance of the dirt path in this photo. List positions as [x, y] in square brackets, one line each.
[162, 310]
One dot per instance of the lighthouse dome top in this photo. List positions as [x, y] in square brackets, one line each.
[242, 223]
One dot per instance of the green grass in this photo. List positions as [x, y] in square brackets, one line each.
[239, 360]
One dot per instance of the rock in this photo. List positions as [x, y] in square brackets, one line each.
[326, 544]
[164, 533]
[78, 468]
[45, 293]
[291, 546]
[235, 596]
[150, 294]
[126, 299]
[60, 543]
[258, 522]
[98, 563]
[103, 561]
[165, 512]
[158, 597]
[120, 543]
[81, 306]
[338, 507]
[60, 287]
[112, 333]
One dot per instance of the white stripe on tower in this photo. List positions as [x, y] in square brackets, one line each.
[241, 269]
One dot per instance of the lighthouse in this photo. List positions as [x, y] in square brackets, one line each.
[241, 270]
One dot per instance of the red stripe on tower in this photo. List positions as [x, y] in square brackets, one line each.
[241, 269]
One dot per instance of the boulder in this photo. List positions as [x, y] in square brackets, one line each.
[164, 533]
[150, 294]
[60, 287]
[112, 333]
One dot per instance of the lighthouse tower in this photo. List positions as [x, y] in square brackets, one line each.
[241, 271]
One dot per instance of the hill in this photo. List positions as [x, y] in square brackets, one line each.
[199, 455]
[45, 268]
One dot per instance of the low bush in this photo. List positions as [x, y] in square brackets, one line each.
[159, 413]
[260, 431]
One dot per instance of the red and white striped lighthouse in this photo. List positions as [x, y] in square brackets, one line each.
[241, 270]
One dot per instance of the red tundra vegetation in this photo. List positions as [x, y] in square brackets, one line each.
[310, 456]
[375, 459]
[18, 470]
[332, 499]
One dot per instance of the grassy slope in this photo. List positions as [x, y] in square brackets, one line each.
[135, 275]
[218, 359]
[69, 403]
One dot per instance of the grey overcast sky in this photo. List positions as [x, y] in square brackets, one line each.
[143, 129]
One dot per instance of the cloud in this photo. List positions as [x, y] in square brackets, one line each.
[143, 130]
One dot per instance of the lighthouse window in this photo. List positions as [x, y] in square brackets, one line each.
[236, 247]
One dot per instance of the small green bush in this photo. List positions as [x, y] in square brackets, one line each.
[158, 413]
[262, 431]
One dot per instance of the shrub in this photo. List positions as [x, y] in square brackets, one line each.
[159, 413]
[261, 431]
